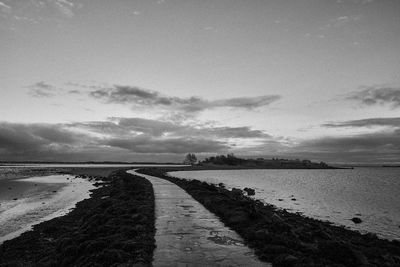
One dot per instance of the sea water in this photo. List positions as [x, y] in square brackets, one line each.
[335, 195]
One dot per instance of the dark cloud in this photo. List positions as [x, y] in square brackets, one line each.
[365, 142]
[378, 148]
[370, 122]
[74, 92]
[42, 89]
[117, 136]
[247, 102]
[16, 137]
[137, 138]
[377, 96]
[157, 128]
[234, 132]
[148, 144]
[145, 98]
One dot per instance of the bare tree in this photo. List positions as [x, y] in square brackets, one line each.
[190, 159]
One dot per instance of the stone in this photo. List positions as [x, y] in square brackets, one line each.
[249, 191]
[356, 220]
[237, 192]
[285, 260]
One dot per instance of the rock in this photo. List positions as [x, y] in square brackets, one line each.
[322, 234]
[276, 218]
[262, 234]
[280, 199]
[249, 191]
[274, 249]
[356, 220]
[360, 258]
[341, 252]
[237, 192]
[285, 260]
[293, 199]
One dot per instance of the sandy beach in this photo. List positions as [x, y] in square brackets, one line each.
[28, 201]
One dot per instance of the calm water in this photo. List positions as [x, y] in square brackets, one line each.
[334, 195]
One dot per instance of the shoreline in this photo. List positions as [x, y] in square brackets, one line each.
[337, 196]
[30, 201]
[114, 225]
[284, 238]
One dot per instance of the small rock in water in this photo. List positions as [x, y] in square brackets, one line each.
[294, 199]
[15, 198]
[280, 199]
[250, 191]
[356, 220]
[54, 191]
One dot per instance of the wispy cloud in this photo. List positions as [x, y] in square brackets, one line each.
[376, 95]
[42, 89]
[370, 122]
[4, 7]
[65, 7]
[35, 11]
[135, 96]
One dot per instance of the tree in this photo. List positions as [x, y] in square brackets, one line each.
[190, 159]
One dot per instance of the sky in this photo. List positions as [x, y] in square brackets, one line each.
[152, 80]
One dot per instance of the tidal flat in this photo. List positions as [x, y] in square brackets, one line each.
[30, 196]
[114, 226]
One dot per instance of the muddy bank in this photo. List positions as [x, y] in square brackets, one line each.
[288, 239]
[114, 226]
[29, 201]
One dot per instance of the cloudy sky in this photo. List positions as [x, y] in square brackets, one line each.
[152, 80]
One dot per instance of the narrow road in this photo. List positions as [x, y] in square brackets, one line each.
[187, 234]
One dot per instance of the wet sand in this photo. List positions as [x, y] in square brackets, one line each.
[28, 201]
[115, 226]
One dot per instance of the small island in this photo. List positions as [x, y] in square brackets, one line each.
[230, 161]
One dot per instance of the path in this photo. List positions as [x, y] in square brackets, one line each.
[187, 234]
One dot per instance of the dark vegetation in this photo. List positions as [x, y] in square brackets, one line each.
[288, 239]
[274, 163]
[115, 227]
